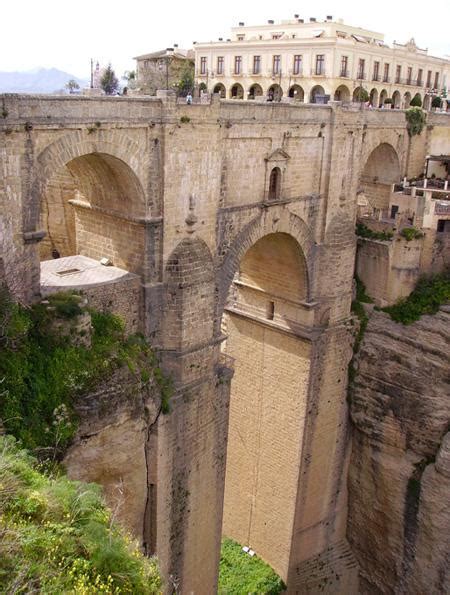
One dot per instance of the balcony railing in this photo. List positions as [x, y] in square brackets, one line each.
[361, 76]
[376, 77]
[344, 73]
[386, 79]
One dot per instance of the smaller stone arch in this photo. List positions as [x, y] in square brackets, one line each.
[220, 89]
[396, 99]
[316, 92]
[360, 95]
[383, 97]
[274, 93]
[255, 91]
[373, 97]
[406, 99]
[342, 93]
[237, 91]
[296, 92]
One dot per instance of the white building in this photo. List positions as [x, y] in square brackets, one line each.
[308, 61]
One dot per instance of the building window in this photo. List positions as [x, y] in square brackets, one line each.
[203, 65]
[436, 81]
[398, 73]
[276, 65]
[419, 77]
[237, 64]
[320, 64]
[240, 37]
[429, 78]
[256, 64]
[344, 66]
[276, 36]
[376, 71]
[386, 73]
[361, 67]
[297, 64]
[409, 75]
[220, 65]
[275, 183]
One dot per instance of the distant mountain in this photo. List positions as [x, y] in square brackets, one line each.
[38, 80]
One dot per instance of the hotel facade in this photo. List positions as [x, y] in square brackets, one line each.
[317, 61]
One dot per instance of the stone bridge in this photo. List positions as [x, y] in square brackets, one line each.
[237, 219]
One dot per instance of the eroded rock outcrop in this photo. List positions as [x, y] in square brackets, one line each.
[399, 477]
[114, 446]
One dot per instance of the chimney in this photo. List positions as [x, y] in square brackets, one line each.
[241, 24]
[270, 22]
[312, 19]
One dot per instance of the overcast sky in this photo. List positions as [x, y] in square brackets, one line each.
[65, 35]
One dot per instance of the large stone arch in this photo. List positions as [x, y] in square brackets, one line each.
[382, 162]
[277, 220]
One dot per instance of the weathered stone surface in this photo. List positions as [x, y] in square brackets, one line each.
[112, 446]
[399, 484]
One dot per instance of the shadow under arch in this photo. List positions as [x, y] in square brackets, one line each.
[278, 221]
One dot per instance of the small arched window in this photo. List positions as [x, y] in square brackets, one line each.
[275, 183]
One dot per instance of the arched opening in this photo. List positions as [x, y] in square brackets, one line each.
[268, 397]
[373, 98]
[255, 91]
[220, 90]
[274, 93]
[91, 209]
[427, 102]
[396, 99]
[406, 99]
[381, 170]
[317, 93]
[237, 91]
[274, 184]
[383, 97]
[360, 95]
[342, 93]
[296, 92]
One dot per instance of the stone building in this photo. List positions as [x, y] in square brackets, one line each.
[163, 69]
[315, 60]
[230, 228]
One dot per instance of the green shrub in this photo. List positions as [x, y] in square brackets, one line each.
[416, 101]
[436, 102]
[240, 574]
[411, 233]
[429, 294]
[58, 537]
[416, 118]
[42, 374]
[365, 232]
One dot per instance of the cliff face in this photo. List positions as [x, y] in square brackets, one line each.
[399, 477]
[114, 446]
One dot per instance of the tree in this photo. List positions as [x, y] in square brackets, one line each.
[416, 101]
[130, 77]
[72, 86]
[186, 82]
[436, 102]
[109, 82]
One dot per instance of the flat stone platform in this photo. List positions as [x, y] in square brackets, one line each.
[79, 272]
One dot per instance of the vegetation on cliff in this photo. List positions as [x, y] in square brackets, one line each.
[429, 294]
[363, 231]
[58, 537]
[239, 573]
[43, 370]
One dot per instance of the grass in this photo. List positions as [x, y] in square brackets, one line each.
[58, 537]
[365, 232]
[429, 294]
[240, 574]
[43, 373]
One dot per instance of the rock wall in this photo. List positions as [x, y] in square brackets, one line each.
[115, 446]
[399, 477]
